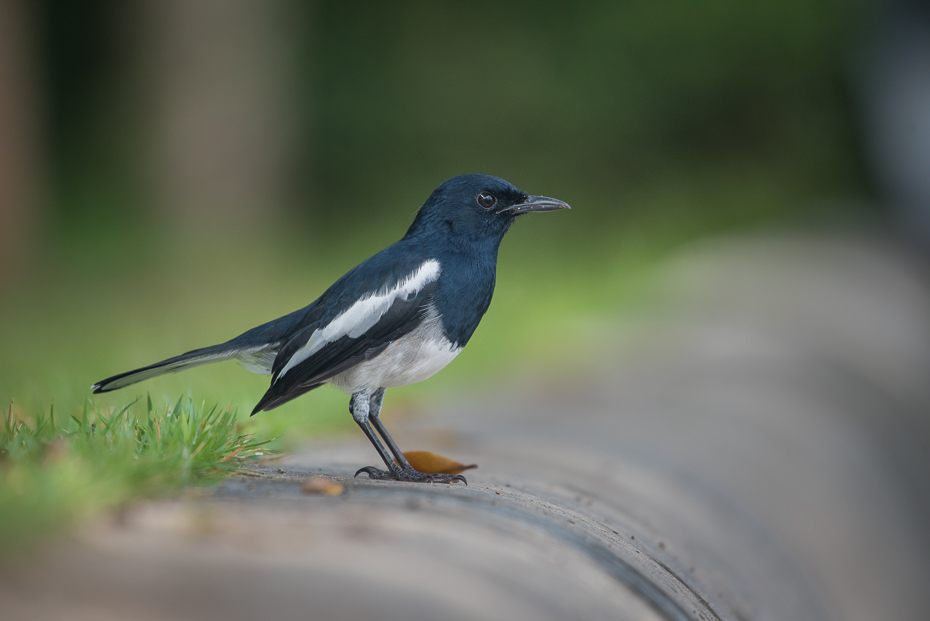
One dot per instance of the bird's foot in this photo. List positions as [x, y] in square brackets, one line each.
[411, 475]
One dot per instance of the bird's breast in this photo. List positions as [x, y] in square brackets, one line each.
[412, 358]
[464, 294]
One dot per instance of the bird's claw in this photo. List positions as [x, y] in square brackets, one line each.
[374, 473]
[410, 475]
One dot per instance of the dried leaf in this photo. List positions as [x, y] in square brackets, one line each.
[321, 485]
[431, 463]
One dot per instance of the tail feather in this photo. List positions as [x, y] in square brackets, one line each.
[194, 358]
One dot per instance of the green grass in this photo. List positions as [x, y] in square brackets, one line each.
[56, 470]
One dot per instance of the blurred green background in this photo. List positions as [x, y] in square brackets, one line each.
[178, 172]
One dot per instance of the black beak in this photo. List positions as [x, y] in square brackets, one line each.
[535, 203]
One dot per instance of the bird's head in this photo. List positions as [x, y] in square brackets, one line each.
[476, 207]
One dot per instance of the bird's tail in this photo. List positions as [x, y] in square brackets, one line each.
[206, 355]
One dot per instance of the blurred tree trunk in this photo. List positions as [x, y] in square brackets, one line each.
[218, 77]
[20, 151]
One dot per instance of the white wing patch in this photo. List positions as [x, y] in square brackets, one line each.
[365, 313]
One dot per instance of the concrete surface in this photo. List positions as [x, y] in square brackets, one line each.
[757, 448]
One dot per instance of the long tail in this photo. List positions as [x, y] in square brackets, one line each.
[255, 350]
[252, 358]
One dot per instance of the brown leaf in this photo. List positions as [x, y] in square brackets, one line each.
[320, 485]
[431, 463]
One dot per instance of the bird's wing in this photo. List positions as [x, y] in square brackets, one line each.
[369, 309]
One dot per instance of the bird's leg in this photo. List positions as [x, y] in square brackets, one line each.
[359, 408]
[375, 418]
[403, 472]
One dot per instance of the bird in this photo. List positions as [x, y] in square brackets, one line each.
[395, 319]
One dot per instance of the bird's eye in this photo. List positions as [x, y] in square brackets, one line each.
[487, 200]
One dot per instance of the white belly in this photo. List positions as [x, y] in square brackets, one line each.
[410, 359]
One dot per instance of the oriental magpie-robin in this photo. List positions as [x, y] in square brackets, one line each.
[395, 319]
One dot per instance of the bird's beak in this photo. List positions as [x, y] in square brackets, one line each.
[535, 203]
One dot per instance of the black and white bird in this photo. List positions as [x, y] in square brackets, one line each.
[394, 319]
